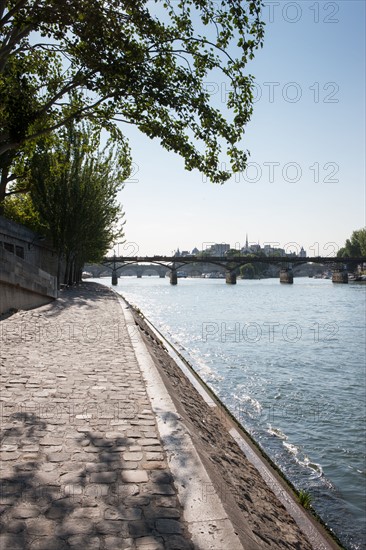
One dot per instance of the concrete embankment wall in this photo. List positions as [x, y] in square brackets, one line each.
[28, 268]
[23, 285]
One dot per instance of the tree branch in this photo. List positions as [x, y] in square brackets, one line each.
[49, 129]
[2, 8]
[16, 192]
[5, 51]
[11, 12]
[75, 83]
[192, 39]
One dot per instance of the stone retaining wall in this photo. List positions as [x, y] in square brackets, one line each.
[23, 285]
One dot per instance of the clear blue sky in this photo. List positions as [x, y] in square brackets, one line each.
[306, 180]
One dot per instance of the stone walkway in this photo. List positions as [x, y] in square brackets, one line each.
[82, 462]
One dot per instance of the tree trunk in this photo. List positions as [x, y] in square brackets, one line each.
[72, 272]
[67, 270]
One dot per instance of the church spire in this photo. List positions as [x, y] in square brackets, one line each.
[246, 242]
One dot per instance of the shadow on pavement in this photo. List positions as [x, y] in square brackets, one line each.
[82, 493]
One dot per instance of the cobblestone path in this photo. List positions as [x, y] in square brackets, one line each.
[82, 465]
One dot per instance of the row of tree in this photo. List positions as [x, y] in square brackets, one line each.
[72, 197]
[144, 63]
[355, 247]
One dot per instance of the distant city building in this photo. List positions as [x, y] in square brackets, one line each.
[250, 248]
[269, 251]
[246, 249]
[221, 249]
[178, 253]
[218, 249]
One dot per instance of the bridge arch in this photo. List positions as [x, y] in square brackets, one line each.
[230, 265]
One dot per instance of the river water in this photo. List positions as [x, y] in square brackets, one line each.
[289, 363]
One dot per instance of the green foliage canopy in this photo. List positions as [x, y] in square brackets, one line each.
[73, 195]
[355, 246]
[145, 63]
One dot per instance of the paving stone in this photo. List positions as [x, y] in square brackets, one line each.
[73, 489]
[136, 434]
[30, 448]
[58, 510]
[51, 441]
[87, 513]
[26, 511]
[122, 513]
[149, 543]
[161, 476]
[135, 448]
[139, 528]
[169, 526]
[48, 543]
[154, 465]
[89, 543]
[103, 443]
[48, 478]
[5, 456]
[176, 542]
[131, 456]
[96, 490]
[116, 435]
[168, 502]
[154, 456]
[58, 457]
[115, 543]
[10, 541]
[15, 526]
[153, 448]
[161, 512]
[103, 477]
[160, 489]
[40, 526]
[137, 476]
[112, 527]
[138, 500]
[71, 526]
[129, 465]
[141, 423]
[3, 509]
[126, 490]
[72, 477]
[8, 448]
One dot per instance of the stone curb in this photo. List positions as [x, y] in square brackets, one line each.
[214, 530]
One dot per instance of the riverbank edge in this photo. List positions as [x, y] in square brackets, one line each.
[232, 424]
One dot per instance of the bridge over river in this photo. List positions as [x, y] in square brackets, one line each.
[173, 264]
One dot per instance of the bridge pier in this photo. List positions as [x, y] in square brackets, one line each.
[173, 277]
[340, 276]
[114, 277]
[286, 275]
[231, 277]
